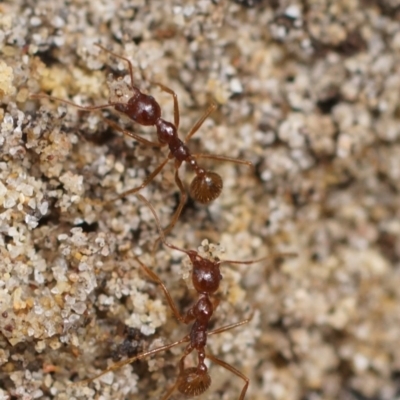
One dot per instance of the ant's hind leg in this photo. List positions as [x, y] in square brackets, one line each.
[234, 371]
[200, 122]
[174, 218]
[144, 184]
[223, 363]
[130, 360]
[182, 203]
[181, 378]
[170, 391]
[223, 158]
[160, 229]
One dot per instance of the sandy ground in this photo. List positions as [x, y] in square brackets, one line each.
[308, 91]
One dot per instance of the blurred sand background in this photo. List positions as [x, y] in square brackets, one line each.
[306, 90]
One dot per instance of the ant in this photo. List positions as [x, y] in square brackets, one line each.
[206, 278]
[143, 109]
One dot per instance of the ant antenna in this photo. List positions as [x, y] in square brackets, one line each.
[193, 253]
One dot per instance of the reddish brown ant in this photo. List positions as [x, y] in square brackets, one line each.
[206, 186]
[206, 278]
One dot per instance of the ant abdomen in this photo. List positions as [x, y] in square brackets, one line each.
[193, 383]
[206, 187]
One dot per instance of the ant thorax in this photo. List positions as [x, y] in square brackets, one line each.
[120, 90]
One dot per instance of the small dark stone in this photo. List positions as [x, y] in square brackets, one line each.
[248, 3]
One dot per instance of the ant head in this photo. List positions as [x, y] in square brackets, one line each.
[206, 187]
[143, 109]
[193, 382]
[206, 275]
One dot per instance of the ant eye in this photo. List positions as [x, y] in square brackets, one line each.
[206, 188]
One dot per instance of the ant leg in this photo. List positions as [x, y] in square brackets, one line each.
[160, 229]
[182, 203]
[231, 326]
[156, 279]
[144, 184]
[130, 360]
[171, 390]
[198, 124]
[215, 302]
[223, 158]
[139, 138]
[176, 215]
[234, 371]
[223, 363]
[122, 58]
[83, 108]
[175, 97]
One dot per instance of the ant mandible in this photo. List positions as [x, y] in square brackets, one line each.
[206, 278]
[143, 109]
